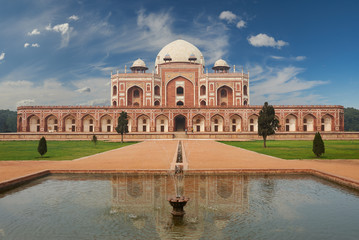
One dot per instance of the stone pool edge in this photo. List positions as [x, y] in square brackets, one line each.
[14, 183]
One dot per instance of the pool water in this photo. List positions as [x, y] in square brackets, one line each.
[125, 206]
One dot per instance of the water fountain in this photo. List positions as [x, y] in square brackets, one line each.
[179, 201]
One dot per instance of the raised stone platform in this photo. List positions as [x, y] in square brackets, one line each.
[180, 135]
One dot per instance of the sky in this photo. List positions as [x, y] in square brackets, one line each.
[62, 52]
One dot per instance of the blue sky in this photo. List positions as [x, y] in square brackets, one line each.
[62, 52]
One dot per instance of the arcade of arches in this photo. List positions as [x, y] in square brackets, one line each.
[180, 122]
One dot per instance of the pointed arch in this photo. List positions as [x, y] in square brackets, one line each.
[291, 122]
[309, 124]
[114, 90]
[157, 90]
[224, 96]
[161, 123]
[235, 121]
[327, 122]
[51, 123]
[180, 122]
[106, 123]
[245, 90]
[198, 123]
[88, 123]
[217, 122]
[69, 123]
[174, 93]
[129, 124]
[202, 90]
[135, 96]
[253, 123]
[33, 123]
[19, 124]
[143, 123]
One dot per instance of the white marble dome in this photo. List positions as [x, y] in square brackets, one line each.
[220, 63]
[179, 51]
[139, 63]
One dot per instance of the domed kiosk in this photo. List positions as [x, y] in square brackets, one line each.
[139, 66]
[220, 66]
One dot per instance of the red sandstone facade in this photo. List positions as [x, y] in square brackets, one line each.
[179, 95]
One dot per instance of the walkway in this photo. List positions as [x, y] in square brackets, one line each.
[158, 155]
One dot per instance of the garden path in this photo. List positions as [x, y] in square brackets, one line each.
[158, 155]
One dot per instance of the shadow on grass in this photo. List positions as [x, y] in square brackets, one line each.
[42, 157]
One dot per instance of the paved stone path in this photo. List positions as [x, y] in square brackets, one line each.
[158, 155]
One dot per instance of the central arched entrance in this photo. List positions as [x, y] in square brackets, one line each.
[180, 123]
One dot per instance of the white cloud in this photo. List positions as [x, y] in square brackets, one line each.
[277, 57]
[61, 28]
[74, 17]
[282, 86]
[65, 31]
[2, 56]
[51, 92]
[98, 102]
[241, 24]
[263, 40]
[25, 102]
[16, 84]
[153, 31]
[300, 58]
[48, 28]
[228, 16]
[83, 90]
[34, 32]
[34, 45]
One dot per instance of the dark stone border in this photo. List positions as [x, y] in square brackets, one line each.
[12, 184]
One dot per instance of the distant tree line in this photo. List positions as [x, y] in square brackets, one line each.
[351, 119]
[8, 120]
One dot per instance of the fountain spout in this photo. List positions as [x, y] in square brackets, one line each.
[177, 204]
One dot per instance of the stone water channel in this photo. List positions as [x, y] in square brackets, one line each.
[179, 201]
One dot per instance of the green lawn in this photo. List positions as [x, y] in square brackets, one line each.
[56, 150]
[301, 149]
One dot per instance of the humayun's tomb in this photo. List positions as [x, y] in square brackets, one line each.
[178, 96]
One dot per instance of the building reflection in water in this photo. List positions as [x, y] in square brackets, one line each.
[215, 199]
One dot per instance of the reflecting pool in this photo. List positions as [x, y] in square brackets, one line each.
[222, 206]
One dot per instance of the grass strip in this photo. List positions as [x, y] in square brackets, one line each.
[56, 150]
[302, 149]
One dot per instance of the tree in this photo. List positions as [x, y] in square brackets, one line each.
[42, 147]
[94, 139]
[122, 124]
[267, 123]
[351, 119]
[8, 121]
[318, 145]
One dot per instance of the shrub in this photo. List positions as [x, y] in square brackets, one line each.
[94, 139]
[42, 147]
[318, 145]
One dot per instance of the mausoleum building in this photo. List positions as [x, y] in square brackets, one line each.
[179, 95]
